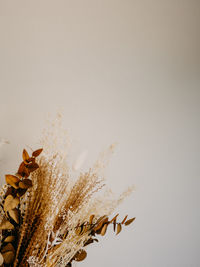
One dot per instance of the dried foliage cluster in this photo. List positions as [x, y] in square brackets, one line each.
[47, 218]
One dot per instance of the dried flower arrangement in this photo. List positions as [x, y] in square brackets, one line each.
[46, 218]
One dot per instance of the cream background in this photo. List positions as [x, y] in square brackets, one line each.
[125, 71]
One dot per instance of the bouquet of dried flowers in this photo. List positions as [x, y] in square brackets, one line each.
[47, 218]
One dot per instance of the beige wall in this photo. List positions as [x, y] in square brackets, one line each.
[125, 71]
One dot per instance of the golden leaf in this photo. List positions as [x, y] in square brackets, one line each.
[103, 230]
[25, 184]
[6, 225]
[119, 228]
[80, 255]
[129, 221]
[14, 214]
[1, 259]
[9, 239]
[25, 155]
[37, 152]
[10, 203]
[91, 218]
[124, 219]
[12, 180]
[8, 247]
[9, 257]
[78, 230]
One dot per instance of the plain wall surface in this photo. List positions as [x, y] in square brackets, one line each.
[125, 71]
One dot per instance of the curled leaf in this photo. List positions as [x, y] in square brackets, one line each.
[129, 221]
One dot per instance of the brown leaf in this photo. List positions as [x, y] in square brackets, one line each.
[114, 225]
[25, 184]
[80, 255]
[10, 203]
[78, 230]
[91, 218]
[6, 225]
[21, 192]
[23, 171]
[9, 239]
[103, 230]
[124, 219]
[8, 247]
[100, 222]
[37, 152]
[32, 167]
[14, 214]
[12, 180]
[25, 155]
[1, 259]
[129, 221]
[114, 218]
[9, 257]
[119, 228]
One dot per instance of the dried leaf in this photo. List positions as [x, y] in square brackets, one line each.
[114, 225]
[1, 259]
[21, 192]
[12, 180]
[9, 257]
[37, 152]
[124, 219]
[100, 222]
[25, 184]
[119, 228]
[23, 171]
[88, 242]
[25, 155]
[9, 239]
[114, 218]
[14, 214]
[8, 247]
[6, 225]
[129, 221]
[78, 230]
[10, 203]
[32, 167]
[80, 255]
[103, 230]
[91, 218]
